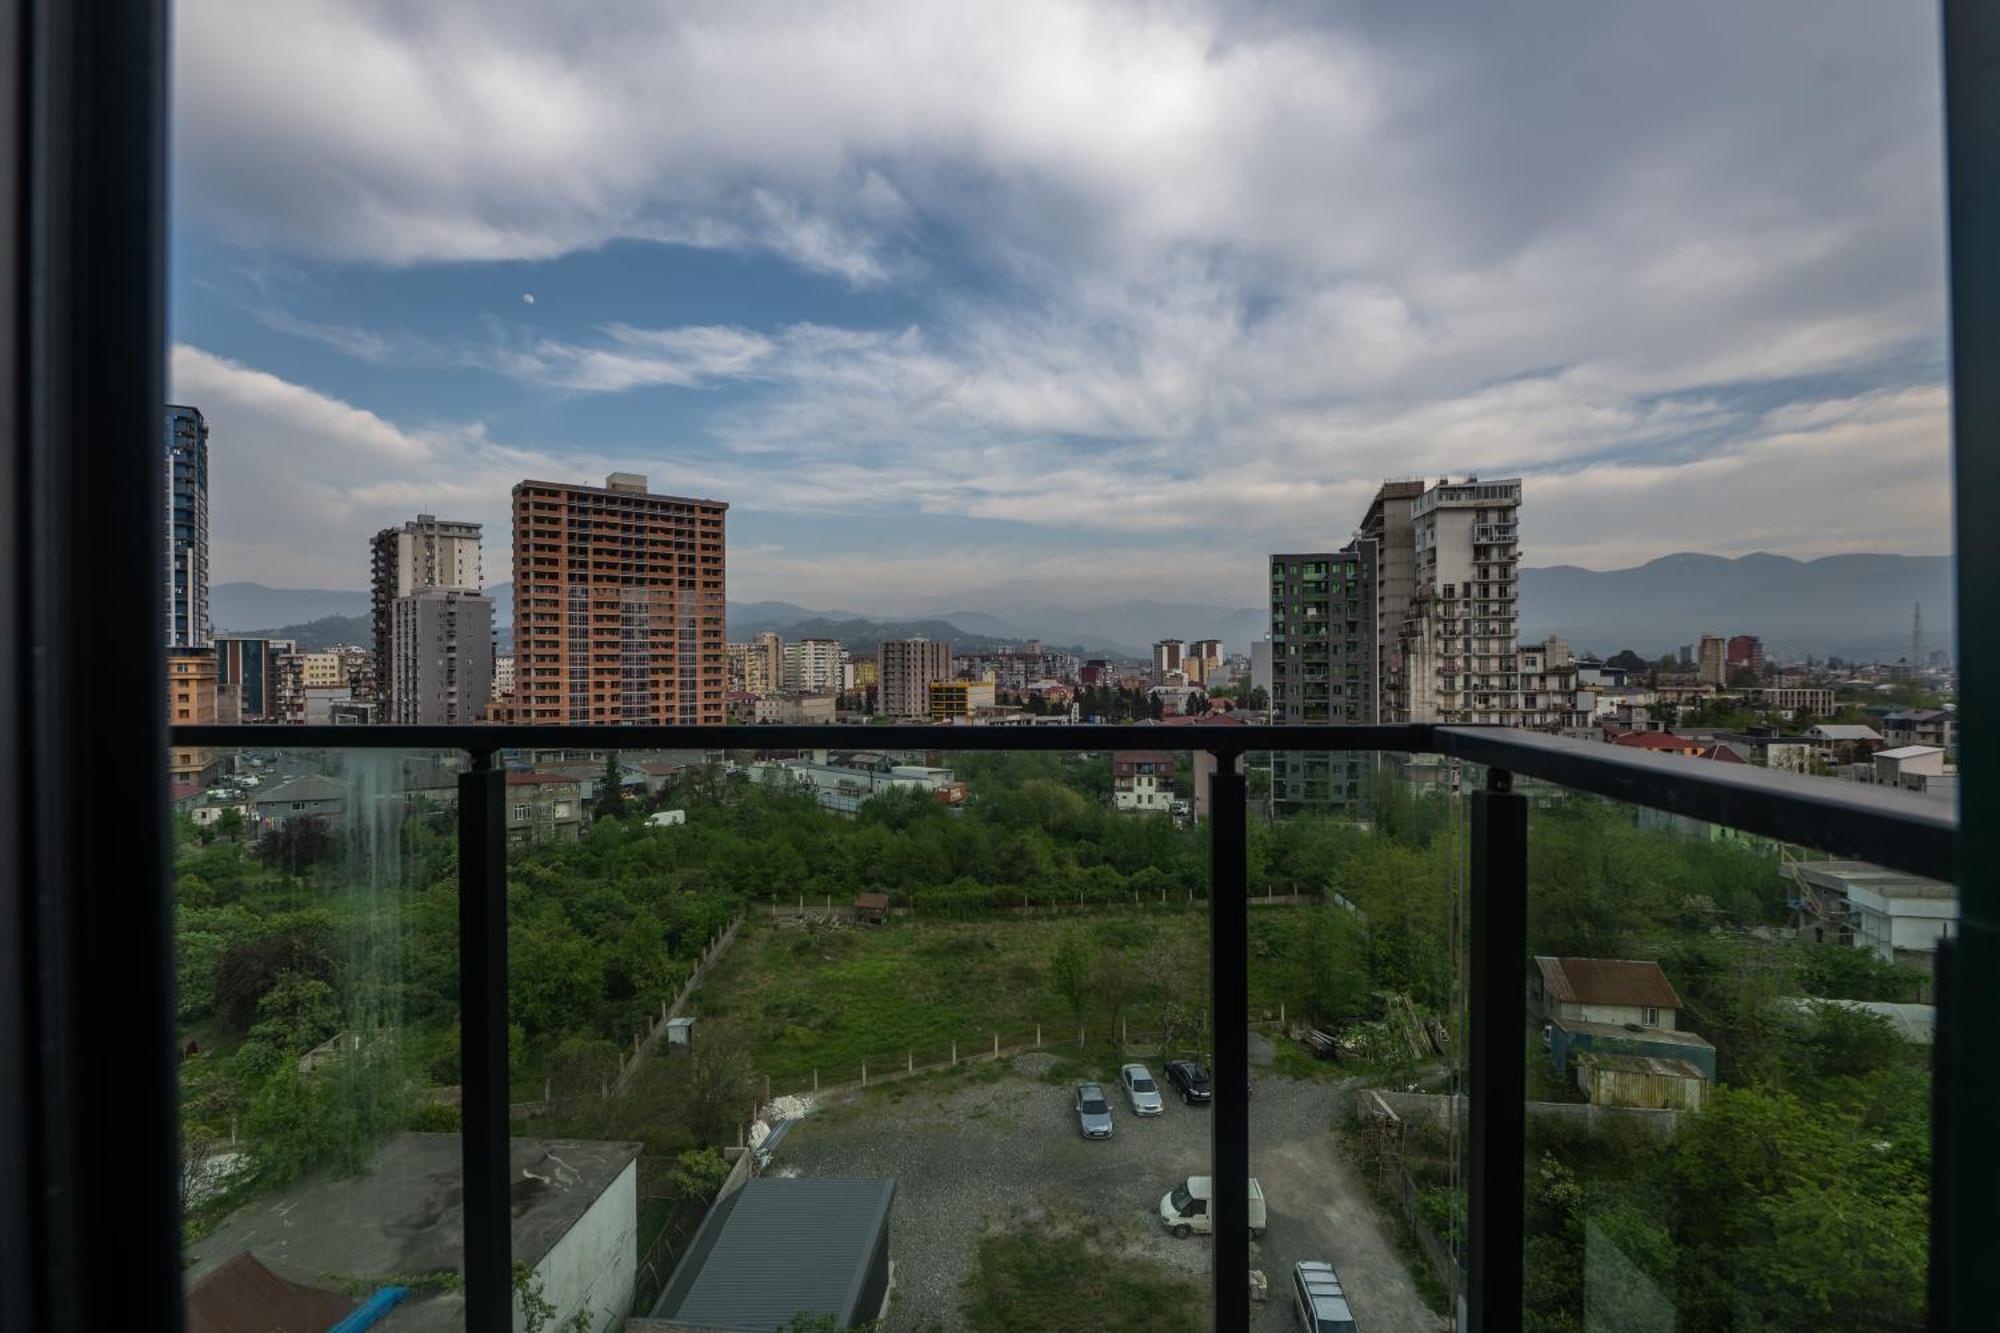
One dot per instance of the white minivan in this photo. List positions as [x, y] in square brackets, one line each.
[1184, 1209]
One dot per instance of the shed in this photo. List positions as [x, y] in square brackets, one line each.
[1649, 1082]
[777, 1249]
[680, 1032]
[871, 907]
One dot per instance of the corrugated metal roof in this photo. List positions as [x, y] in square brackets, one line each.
[1626, 981]
[1623, 1063]
[779, 1248]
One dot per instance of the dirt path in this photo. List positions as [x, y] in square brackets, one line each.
[1309, 1181]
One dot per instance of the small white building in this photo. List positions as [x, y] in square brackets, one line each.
[1897, 917]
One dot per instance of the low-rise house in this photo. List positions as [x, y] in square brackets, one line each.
[210, 807]
[1615, 1005]
[1142, 780]
[543, 807]
[1844, 742]
[308, 797]
[1921, 726]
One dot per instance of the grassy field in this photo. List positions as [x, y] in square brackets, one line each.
[1066, 1275]
[828, 1000]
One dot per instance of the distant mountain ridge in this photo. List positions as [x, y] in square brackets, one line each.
[1855, 606]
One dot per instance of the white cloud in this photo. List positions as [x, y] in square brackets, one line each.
[1190, 269]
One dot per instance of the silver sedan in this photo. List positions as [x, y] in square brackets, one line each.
[1140, 1090]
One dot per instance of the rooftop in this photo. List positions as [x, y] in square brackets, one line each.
[406, 1216]
[1619, 981]
[778, 1248]
[311, 787]
[1620, 1062]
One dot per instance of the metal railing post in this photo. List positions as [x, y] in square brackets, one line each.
[1229, 1126]
[1497, 1069]
[482, 998]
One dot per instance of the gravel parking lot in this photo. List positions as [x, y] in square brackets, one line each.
[965, 1153]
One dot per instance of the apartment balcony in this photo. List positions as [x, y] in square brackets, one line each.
[1512, 793]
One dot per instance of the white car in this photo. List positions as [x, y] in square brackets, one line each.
[1140, 1090]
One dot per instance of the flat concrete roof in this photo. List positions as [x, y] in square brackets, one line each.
[405, 1216]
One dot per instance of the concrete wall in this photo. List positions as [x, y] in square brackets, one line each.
[595, 1263]
[1418, 1107]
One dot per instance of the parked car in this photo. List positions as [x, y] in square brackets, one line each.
[1191, 1080]
[1140, 1090]
[1319, 1300]
[1184, 1209]
[1093, 1112]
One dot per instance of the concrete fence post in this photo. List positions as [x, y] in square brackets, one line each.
[1038, 1036]
[864, 1073]
[815, 1080]
[1281, 1013]
[548, 1091]
[1079, 1037]
[954, 1053]
[767, 1087]
[996, 1046]
[910, 1062]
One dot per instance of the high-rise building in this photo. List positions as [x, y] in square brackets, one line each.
[503, 676]
[907, 669]
[191, 703]
[1169, 656]
[442, 641]
[247, 678]
[186, 455]
[1203, 657]
[1745, 653]
[1386, 527]
[814, 666]
[1712, 660]
[427, 552]
[618, 604]
[1322, 668]
[1458, 637]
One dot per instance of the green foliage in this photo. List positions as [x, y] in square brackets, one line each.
[1841, 972]
[698, 1174]
[296, 1014]
[1063, 1274]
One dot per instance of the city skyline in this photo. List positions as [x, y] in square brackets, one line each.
[1040, 298]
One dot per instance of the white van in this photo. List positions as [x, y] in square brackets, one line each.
[1184, 1208]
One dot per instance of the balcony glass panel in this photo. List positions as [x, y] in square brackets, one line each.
[898, 968]
[1729, 1076]
[1356, 891]
[316, 952]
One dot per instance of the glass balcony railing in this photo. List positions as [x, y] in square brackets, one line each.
[515, 1023]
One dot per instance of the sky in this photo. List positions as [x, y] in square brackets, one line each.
[988, 306]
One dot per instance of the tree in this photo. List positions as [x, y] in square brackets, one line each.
[229, 824]
[298, 1013]
[611, 797]
[1257, 698]
[1070, 969]
[250, 968]
[720, 1084]
[295, 845]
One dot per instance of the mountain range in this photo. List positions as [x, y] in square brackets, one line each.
[1855, 606]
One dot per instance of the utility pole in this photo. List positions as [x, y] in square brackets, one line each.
[1917, 639]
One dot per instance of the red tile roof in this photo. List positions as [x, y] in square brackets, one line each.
[243, 1294]
[1622, 981]
[1655, 740]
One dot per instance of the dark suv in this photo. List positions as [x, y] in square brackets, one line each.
[1190, 1080]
